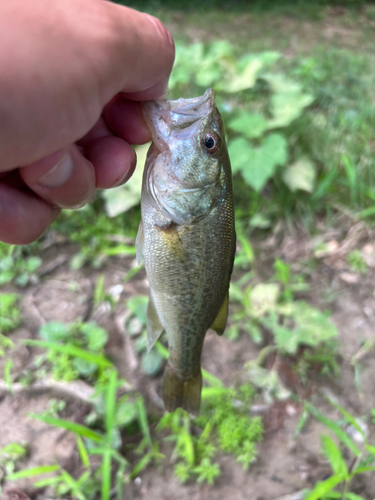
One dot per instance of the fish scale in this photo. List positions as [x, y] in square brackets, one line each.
[186, 238]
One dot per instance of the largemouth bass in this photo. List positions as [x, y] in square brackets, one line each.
[186, 237]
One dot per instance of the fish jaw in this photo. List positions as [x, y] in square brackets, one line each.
[183, 180]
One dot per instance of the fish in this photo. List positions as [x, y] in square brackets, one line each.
[186, 237]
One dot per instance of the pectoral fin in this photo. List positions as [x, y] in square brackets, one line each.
[221, 319]
[154, 327]
[139, 242]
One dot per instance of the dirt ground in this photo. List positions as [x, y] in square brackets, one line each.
[285, 465]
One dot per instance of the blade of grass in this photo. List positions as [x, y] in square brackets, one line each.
[323, 488]
[141, 464]
[98, 359]
[79, 429]
[34, 471]
[99, 290]
[84, 456]
[143, 421]
[347, 416]
[119, 250]
[335, 428]
[367, 212]
[334, 456]
[50, 481]
[7, 374]
[360, 470]
[120, 480]
[106, 472]
[111, 404]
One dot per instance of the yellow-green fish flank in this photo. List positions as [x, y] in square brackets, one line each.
[186, 237]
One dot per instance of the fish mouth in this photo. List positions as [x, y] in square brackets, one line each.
[176, 119]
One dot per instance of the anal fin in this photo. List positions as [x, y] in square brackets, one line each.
[180, 393]
[154, 326]
[221, 319]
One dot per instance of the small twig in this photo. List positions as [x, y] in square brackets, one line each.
[76, 389]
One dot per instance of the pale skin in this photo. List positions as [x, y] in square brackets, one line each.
[73, 73]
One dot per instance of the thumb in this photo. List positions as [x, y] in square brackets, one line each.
[67, 60]
[143, 55]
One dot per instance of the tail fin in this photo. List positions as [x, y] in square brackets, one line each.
[179, 393]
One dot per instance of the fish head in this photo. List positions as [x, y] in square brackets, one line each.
[184, 176]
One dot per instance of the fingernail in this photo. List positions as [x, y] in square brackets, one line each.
[59, 174]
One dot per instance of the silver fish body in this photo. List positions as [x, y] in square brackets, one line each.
[186, 237]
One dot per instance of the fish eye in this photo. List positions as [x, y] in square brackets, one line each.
[211, 142]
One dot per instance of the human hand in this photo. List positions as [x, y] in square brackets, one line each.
[72, 75]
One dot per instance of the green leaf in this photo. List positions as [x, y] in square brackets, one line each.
[260, 220]
[324, 488]
[79, 429]
[138, 306]
[370, 448]
[96, 336]
[32, 264]
[34, 471]
[311, 327]
[239, 151]
[182, 73]
[263, 298]
[261, 162]
[126, 412]
[268, 381]
[13, 450]
[218, 60]
[10, 314]
[53, 331]
[334, 456]
[247, 72]
[250, 125]
[300, 175]
[287, 100]
[151, 363]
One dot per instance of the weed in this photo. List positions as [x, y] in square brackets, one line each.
[342, 474]
[356, 262]
[10, 313]
[224, 424]
[151, 362]
[10, 318]
[96, 234]
[9, 456]
[16, 265]
[66, 366]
